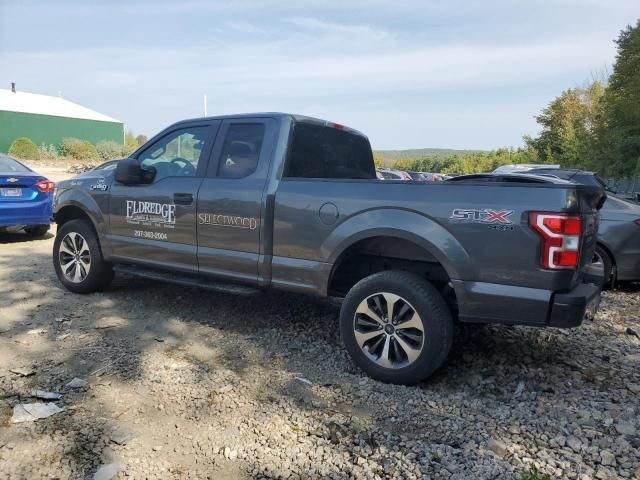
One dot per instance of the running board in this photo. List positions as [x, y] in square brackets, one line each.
[187, 280]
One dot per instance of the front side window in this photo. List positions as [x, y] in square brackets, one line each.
[320, 151]
[241, 150]
[176, 154]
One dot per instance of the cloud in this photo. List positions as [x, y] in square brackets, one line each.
[445, 65]
[316, 25]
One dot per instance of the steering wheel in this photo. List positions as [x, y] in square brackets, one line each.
[187, 169]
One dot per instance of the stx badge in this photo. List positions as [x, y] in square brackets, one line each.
[484, 215]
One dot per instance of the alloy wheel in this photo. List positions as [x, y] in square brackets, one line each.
[74, 257]
[388, 330]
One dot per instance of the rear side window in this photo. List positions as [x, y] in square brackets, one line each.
[8, 165]
[241, 150]
[326, 152]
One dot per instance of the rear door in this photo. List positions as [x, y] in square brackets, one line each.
[229, 211]
[155, 224]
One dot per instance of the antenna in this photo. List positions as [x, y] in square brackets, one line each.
[205, 104]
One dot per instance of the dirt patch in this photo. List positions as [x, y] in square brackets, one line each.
[185, 383]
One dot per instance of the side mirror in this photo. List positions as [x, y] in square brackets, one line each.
[129, 172]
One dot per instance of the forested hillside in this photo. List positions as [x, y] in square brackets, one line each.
[596, 127]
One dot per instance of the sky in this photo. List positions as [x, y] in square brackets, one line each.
[463, 74]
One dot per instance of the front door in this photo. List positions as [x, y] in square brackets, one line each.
[231, 198]
[155, 224]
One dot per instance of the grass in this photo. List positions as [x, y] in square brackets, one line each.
[534, 474]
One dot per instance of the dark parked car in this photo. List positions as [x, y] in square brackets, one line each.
[248, 202]
[25, 198]
[618, 248]
[415, 176]
[394, 175]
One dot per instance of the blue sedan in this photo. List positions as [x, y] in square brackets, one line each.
[25, 198]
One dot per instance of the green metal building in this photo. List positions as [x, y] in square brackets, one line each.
[48, 120]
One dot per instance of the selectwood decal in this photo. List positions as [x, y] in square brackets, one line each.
[151, 213]
[227, 220]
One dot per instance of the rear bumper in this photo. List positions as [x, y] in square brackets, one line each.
[480, 302]
[24, 220]
[26, 213]
[570, 309]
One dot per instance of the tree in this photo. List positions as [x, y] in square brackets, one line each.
[141, 139]
[130, 142]
[78, 149]
[478, 162]
[24, 149]
[620, 135]
[108, 150]
[569, 127]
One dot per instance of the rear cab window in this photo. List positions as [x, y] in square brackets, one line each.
[325, 151]
[9, 165]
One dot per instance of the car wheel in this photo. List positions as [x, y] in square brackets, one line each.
[396, 327]
[77, 258]
[36, 230]
[602, 259]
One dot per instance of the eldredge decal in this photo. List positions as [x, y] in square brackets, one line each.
[151, 213]
[484, 215]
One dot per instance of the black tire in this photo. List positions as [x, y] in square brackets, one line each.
[607, 264]
[100, 273]
[433, 313]
[36, 230]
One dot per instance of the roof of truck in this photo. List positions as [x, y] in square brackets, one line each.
[294, 116]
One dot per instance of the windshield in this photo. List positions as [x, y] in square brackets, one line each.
[9, 165]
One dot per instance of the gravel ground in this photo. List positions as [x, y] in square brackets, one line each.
[185, 383]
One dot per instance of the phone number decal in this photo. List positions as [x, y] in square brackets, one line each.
[150, 235]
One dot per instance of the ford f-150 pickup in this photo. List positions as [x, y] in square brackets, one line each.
[250, 202]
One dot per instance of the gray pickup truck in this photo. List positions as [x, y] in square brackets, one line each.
[249, 202]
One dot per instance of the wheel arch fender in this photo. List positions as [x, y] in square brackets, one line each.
[403, 224]
[71, 202]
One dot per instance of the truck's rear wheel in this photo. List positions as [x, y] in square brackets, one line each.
[396, 327]
[77, 258]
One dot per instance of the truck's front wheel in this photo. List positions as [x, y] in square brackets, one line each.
[396, 327]
[77, 258]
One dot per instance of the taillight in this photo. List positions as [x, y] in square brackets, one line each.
[637, 222]
[45, 186]
[560, 235]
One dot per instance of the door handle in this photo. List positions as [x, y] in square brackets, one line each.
[182, 198]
